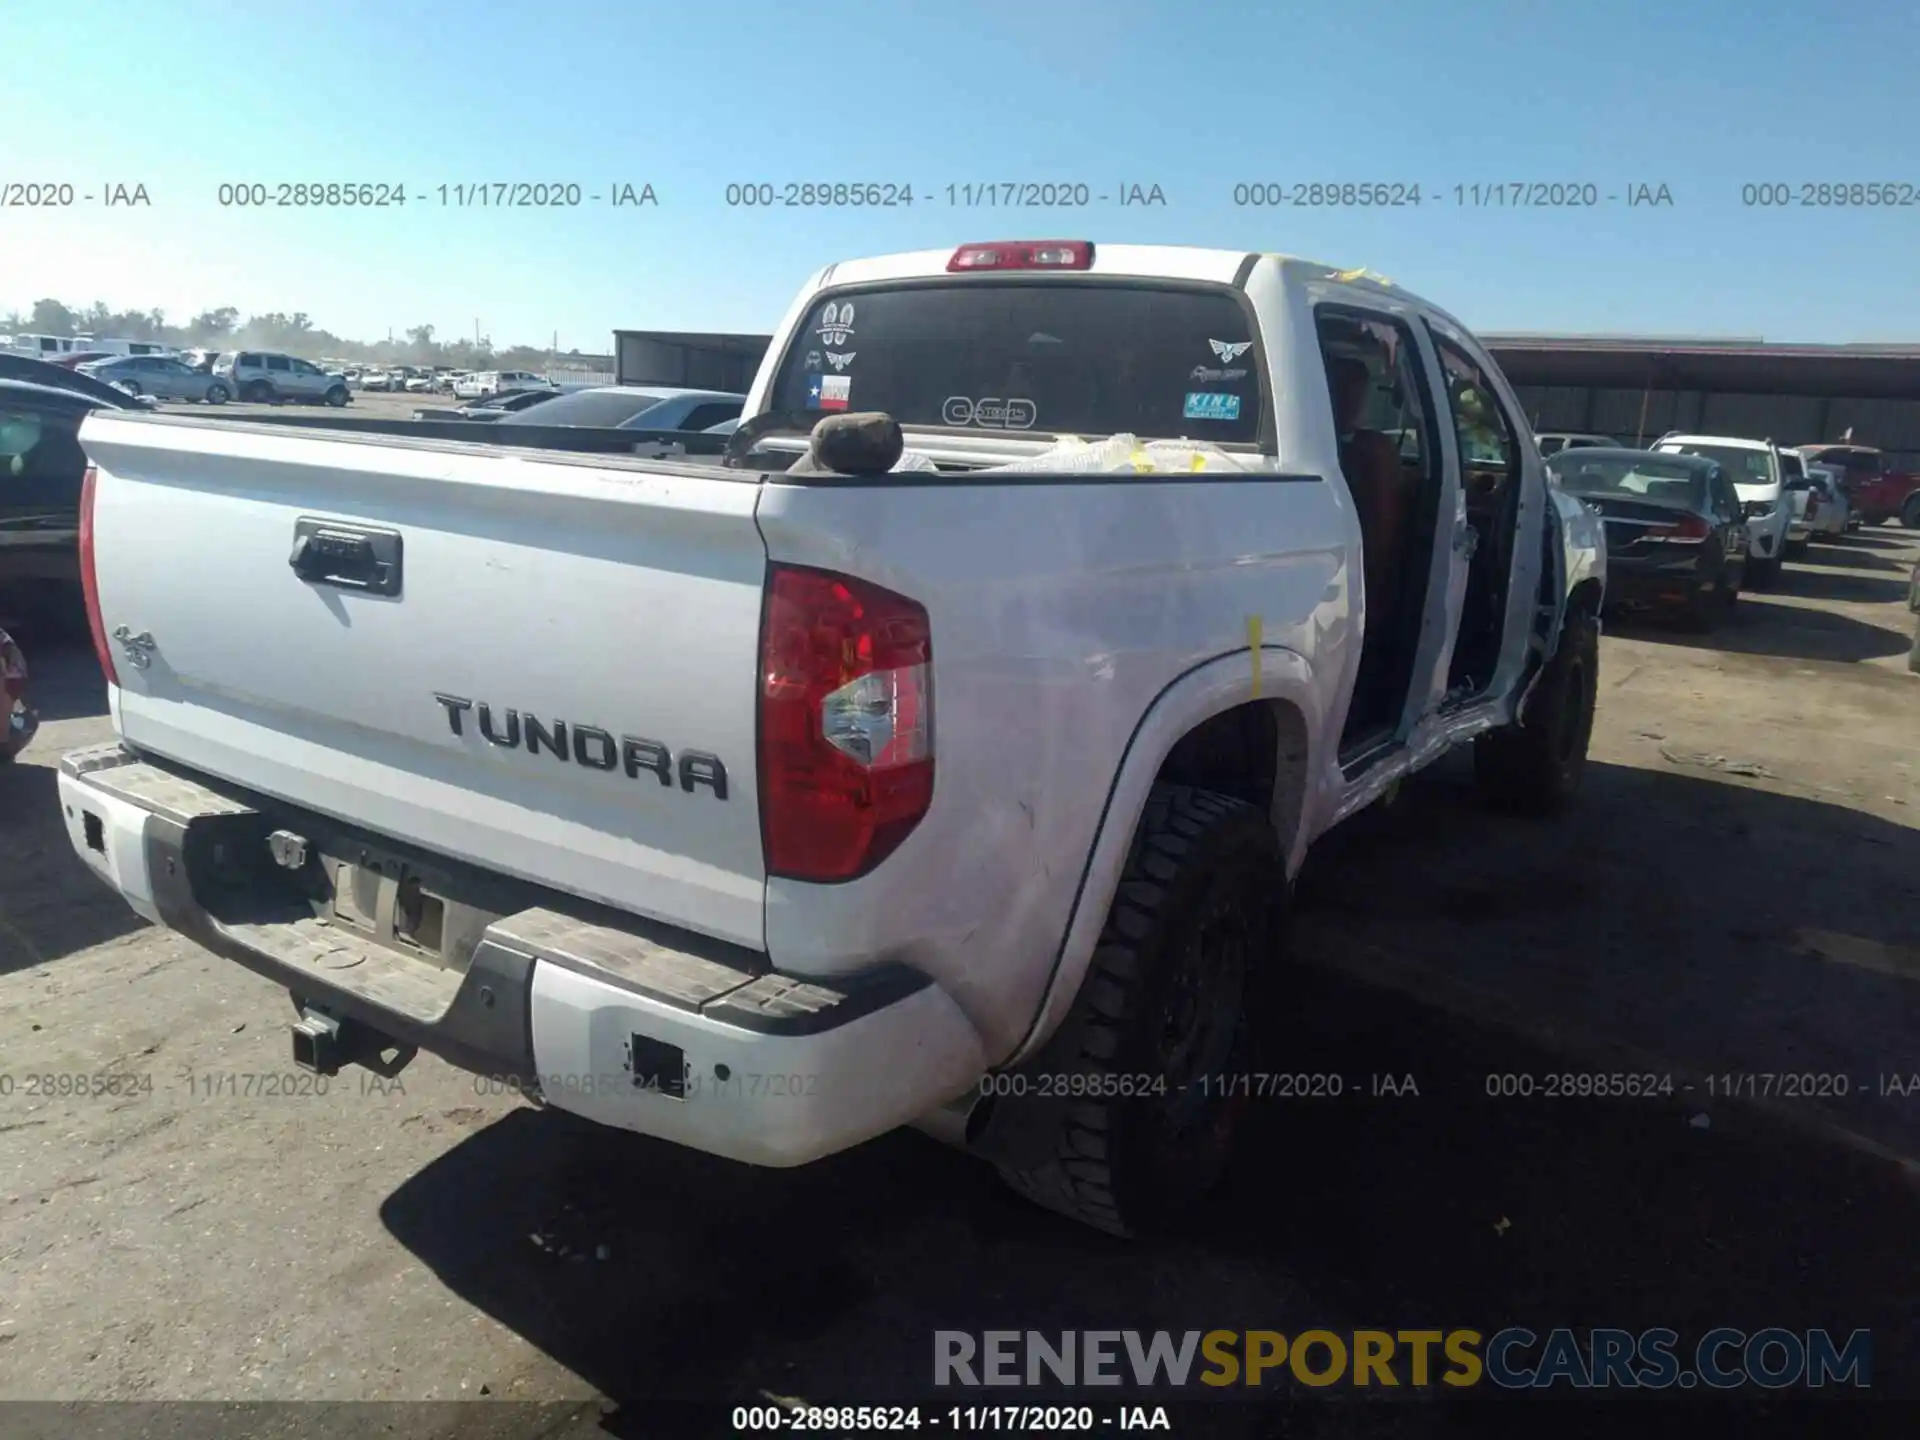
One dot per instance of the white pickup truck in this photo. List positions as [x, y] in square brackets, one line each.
[770, 803]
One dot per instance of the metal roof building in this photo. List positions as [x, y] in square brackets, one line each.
[696, 360]
[1639, 387]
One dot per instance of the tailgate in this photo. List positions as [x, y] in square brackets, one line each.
[562, 686]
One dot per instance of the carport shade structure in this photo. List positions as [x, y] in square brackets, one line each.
[1793, 394]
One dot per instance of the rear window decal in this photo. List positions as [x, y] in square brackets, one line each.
[836, 324]
[839, 362]
[1204, 405]
[829, 392]
[1229, 353]
[992, 413]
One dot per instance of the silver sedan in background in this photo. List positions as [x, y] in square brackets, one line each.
[162, 377]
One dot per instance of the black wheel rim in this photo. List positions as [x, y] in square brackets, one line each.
[1199, 1026]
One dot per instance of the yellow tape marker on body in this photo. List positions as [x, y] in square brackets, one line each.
[1253, 644]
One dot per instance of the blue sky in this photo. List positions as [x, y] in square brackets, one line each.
[1195, 97]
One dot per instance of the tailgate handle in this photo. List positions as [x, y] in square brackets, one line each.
[352, 557]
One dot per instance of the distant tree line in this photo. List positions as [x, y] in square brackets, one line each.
[296, 333]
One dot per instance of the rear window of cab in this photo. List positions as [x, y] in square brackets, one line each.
[1074, 358]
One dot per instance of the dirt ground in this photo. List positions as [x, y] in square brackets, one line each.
[378, 403]
[1737, 895]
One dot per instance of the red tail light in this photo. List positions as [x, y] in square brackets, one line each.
[1688, 528]
[846, 723]
[89, 577]
[1023, 255]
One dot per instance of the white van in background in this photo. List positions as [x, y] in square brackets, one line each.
[492, 382]
[53, 347]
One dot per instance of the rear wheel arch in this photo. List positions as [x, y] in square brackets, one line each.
[1256, 752]
[1187, 737]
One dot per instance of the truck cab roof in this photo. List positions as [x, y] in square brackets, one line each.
[1194, 263]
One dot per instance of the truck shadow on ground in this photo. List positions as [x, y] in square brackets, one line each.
[1849, 556]
[1760, 626]
[655, 1273]
[1813, 583]
[50, 903]
[1882, 538]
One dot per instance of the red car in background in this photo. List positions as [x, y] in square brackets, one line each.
[21, 719]
[1878, 492]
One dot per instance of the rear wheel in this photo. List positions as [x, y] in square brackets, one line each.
[1910, 512]
[217, 395]
[1164, 1010]
[1764, 574]
[337, 396]
[257, 392]
[1535, 767]
[1795, 549]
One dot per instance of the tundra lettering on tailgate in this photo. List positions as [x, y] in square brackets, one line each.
[588, 745]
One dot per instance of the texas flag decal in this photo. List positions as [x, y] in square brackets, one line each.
[835, 391]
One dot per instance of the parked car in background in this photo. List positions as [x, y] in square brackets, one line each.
[492, 382]
[1829, 511]
[492, 408]
[39, 372]
[1801, 502]
[162, 377]
[633, 407]
[375, 380]
[41, 468]
[1676, 533]
[1877, 491]
[263, 376]
[1552, 442]
[1754, 466]
[419, 384]
[82, 357]
[22, 719]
